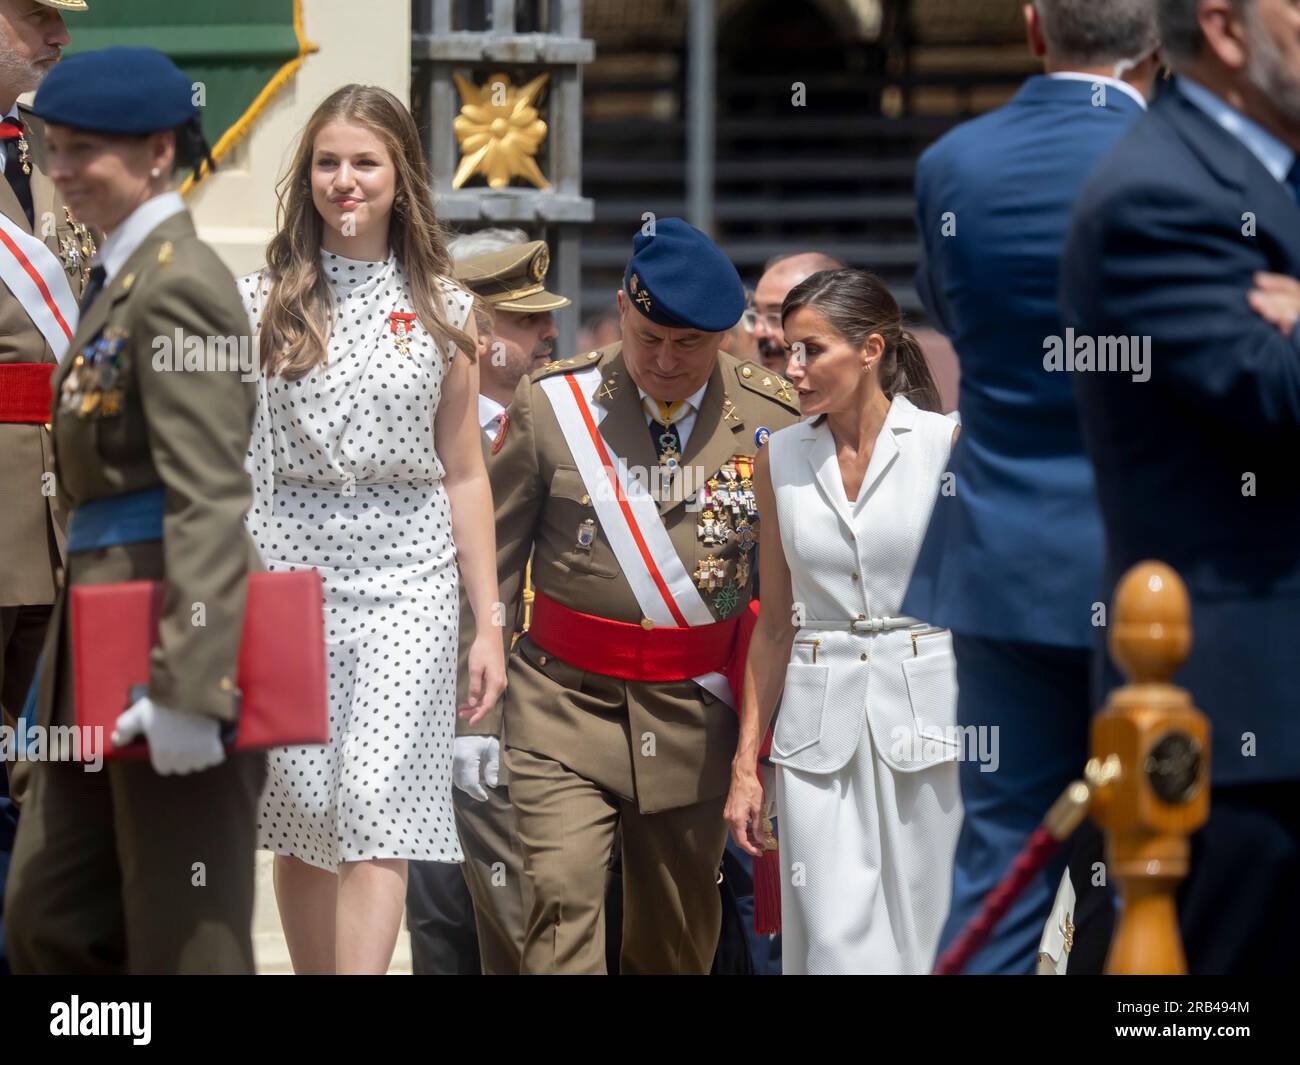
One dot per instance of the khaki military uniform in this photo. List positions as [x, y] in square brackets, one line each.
[510, 281]
[31, 521]
[589, 753]
[107, 866]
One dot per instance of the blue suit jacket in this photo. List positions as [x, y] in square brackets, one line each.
[1197, 467]
[1015, 552]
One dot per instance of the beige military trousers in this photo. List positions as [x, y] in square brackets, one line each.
[567, 825]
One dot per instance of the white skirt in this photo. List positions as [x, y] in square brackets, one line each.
[866, 865]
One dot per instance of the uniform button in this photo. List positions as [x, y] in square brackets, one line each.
[746, 372]
[856, 577]
[49, 426]
[542, 660]
[863, 656]
[586, 500]
[59, 576]
[647, 624]
[227, 685]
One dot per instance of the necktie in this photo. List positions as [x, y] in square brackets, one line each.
[94, 284]
[1293, 179]
[667, 441]
[17, 168]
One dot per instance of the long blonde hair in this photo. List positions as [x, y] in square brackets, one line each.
[298, 313]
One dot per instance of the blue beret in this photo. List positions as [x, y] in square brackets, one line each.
[680, 279]
[116, 90]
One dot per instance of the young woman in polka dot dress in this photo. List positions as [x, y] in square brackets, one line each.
[367, 466]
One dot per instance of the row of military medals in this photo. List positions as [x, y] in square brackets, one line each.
[729, 510]
[93, 383]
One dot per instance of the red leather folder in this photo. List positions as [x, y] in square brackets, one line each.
[280, 673]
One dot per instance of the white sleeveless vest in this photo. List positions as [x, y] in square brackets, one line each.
[854, 560]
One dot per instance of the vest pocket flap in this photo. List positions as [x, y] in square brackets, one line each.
[803, 706]
[932, 691]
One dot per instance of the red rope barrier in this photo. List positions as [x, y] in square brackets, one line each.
[1028, 864]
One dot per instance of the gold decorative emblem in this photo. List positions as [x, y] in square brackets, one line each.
[165, 253]
[499, 131]
[710, 574]
[729, 410]
[541, 262]
[77, 248]
[784, 393]
[1068, 932]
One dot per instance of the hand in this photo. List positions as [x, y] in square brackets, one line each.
[744, 811]
[487, 676]
[1276, 299]
[476, 762]
[179, 743]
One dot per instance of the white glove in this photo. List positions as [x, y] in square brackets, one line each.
[178, 742]
[476, 761]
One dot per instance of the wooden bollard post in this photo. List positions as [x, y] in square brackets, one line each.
[1160, 793]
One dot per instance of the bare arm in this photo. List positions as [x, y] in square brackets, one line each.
[769, 651]
[473, 527]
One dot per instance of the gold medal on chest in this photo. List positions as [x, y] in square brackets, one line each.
[710, 574]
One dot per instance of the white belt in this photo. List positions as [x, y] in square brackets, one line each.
[862, 625]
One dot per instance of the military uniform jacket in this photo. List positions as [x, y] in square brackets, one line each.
[177, 426]
[664, 744]
[31, 520]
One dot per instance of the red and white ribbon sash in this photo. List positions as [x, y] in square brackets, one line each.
[629, 517]
[37, 280]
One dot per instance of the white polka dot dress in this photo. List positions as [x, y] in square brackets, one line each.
[347, 481]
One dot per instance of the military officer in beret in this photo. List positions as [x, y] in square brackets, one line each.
[146, 866]
[43, 235]
[626, 472]
[451, 934]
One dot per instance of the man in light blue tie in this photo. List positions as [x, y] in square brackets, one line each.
[1012, 560]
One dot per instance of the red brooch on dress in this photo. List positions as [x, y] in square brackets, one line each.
[400, 323]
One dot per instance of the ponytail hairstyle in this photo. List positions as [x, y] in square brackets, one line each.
[856, 304]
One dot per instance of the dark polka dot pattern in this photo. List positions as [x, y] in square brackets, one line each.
[346, 479]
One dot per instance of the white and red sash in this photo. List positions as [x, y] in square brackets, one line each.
[630, 518]
[38, 281]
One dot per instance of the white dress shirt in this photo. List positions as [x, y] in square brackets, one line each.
[132, 233]
[489, 415]
[1276, 156]
[1104, 79]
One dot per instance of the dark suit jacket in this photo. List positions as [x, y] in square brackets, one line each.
[1015, 552]
[1197, 466]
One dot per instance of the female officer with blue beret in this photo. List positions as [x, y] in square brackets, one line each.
[146, 866]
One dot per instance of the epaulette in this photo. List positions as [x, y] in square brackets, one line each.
[578, 362]
[756, 378]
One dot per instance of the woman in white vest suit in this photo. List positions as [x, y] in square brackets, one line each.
[865, 740]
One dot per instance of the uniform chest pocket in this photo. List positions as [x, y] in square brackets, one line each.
[803, 706]
[569, 513]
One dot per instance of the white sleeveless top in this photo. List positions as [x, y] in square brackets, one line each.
[850, 560]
